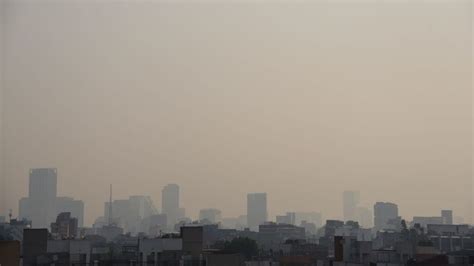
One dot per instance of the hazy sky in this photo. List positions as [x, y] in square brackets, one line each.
[299, 100]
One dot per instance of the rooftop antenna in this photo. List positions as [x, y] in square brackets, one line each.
[110, 206]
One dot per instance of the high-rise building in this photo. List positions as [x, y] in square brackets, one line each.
[383, 213]
[210, 215]
[130, 213]
[170, 203]
[40, 206]
[75, 207]
[256, 210]
[364, 217]
[350, 201]
[447, 216]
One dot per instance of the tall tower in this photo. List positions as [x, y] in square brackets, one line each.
[42, 196]
[350, 201]
[256, 210]
[170, 203]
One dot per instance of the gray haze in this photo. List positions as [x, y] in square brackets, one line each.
[299, 100]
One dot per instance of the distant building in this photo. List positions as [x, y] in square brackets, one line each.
[170, 203]
[350, 201]
[423, 221]
[210, 215]
[447, 216]
[364, 217]
[331, 226]
[448, 229]
[42, 204]
[383, 213]
[256, 210]
[288, 218]
[272, 235]
[309, 217]
[75, 207]
[235, 222]
[65, 226]
[154, 225]
[110, 232]
[129, 213]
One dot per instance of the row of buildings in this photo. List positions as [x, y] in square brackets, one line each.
[337, 243]
[138, 213]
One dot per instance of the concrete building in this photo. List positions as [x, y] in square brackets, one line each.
[210, 215]
[157, 251]
[69, 252]
[130, 213]
[256, 210]
[75, 207]
[447, 216]
[65, 226]
[288, 218]
[350, 201]
[273, 236]
[448, 229]
[239, 222]
[364, 217]
[42, 205]
[423, 221]
[193, 241]
[309, 217]
[170, 204]
[34, 245]
[154, 225]
[383, 213]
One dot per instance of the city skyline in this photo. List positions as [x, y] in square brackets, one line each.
[300, 101]
[43, 205]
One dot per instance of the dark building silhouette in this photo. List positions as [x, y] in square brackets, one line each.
[192, 237]
[10, 253]
[34, 245]
[65, 226]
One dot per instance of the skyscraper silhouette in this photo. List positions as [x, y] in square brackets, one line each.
[170, 203]
[40, 206]
[256, 210]
[350, 201]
